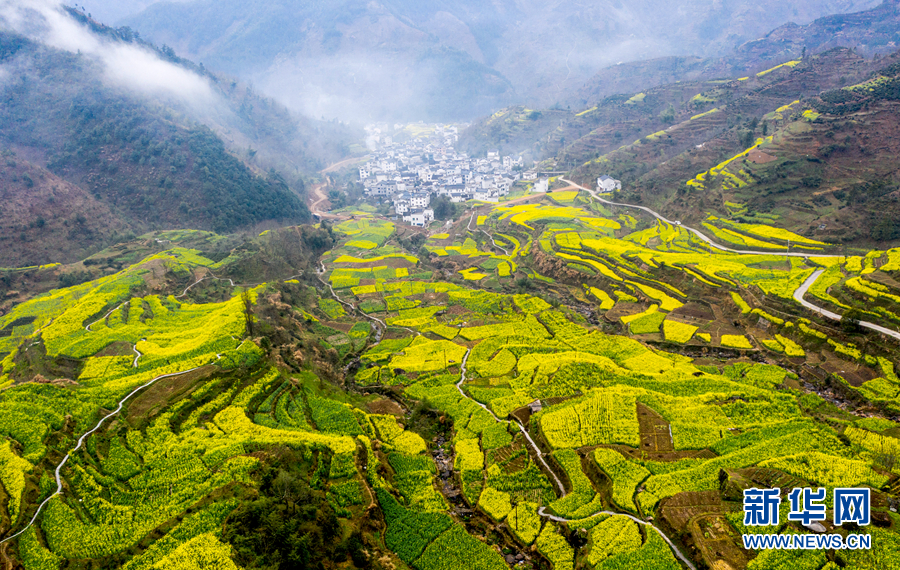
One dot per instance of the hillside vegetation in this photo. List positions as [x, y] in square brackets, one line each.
[325, 396]
[808, 142]
[134, 165]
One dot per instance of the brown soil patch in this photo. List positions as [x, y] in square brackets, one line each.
[695, 311]
[718, 541]
[117, 349]
[760, 477]
[854, 374]
[457, 310]
[884, 279]
[435, 297]
[504, 454]
[157, 396]
[385, 406]
[655, 431]
[633, 453]
[678, 509]
[156, 280]
[759, 157]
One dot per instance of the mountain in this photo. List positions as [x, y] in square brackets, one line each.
[47, 219]
[123, 137]
[154, 171]
[825, 125]
[873, 31]
[432, 60]
[813, 146]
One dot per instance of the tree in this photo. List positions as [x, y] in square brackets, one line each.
[248, 310]
[289, 489]
[668, 116]
[851, 319]
[337, 198]
[443, 208]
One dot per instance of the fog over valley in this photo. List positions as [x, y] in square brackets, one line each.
[428, 60]
[449, 285]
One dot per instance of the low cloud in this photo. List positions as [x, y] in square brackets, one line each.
[125, 65]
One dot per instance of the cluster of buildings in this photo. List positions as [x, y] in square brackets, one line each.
[411, 174]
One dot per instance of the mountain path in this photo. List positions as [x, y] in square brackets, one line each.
[798, 293]
[562, 490]
[65, 459]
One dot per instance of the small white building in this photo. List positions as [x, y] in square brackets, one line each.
[487, 195]
[382, 188]
[419, 200]
[420, 218]
[401, 205]
[541, 185]
[608, 184]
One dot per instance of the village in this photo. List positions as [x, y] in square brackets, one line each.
[413, 173]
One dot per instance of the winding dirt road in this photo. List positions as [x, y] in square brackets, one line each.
[798, 293]
[562, 491]
[57, 472]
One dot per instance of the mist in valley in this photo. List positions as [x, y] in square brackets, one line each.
[409, 60]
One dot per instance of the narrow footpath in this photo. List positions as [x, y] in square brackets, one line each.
[540, 455]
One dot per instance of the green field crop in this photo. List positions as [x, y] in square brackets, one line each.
[613, 536]
[625, 476]
[555, 548]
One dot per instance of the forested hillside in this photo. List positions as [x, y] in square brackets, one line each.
[809, 140]
[136, 162]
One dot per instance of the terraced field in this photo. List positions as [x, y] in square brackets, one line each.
[563, 382]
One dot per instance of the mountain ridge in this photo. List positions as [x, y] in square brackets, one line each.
[323, 51]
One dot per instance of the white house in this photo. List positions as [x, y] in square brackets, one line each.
[419, 200]
[419, 218]
[401, 206]
[382, 188]
[541, 185]
[487, 195]
[608, 184]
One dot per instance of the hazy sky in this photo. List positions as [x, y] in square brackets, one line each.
[363, 60]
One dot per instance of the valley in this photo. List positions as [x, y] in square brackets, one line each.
[510, 367]
[616, 323]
